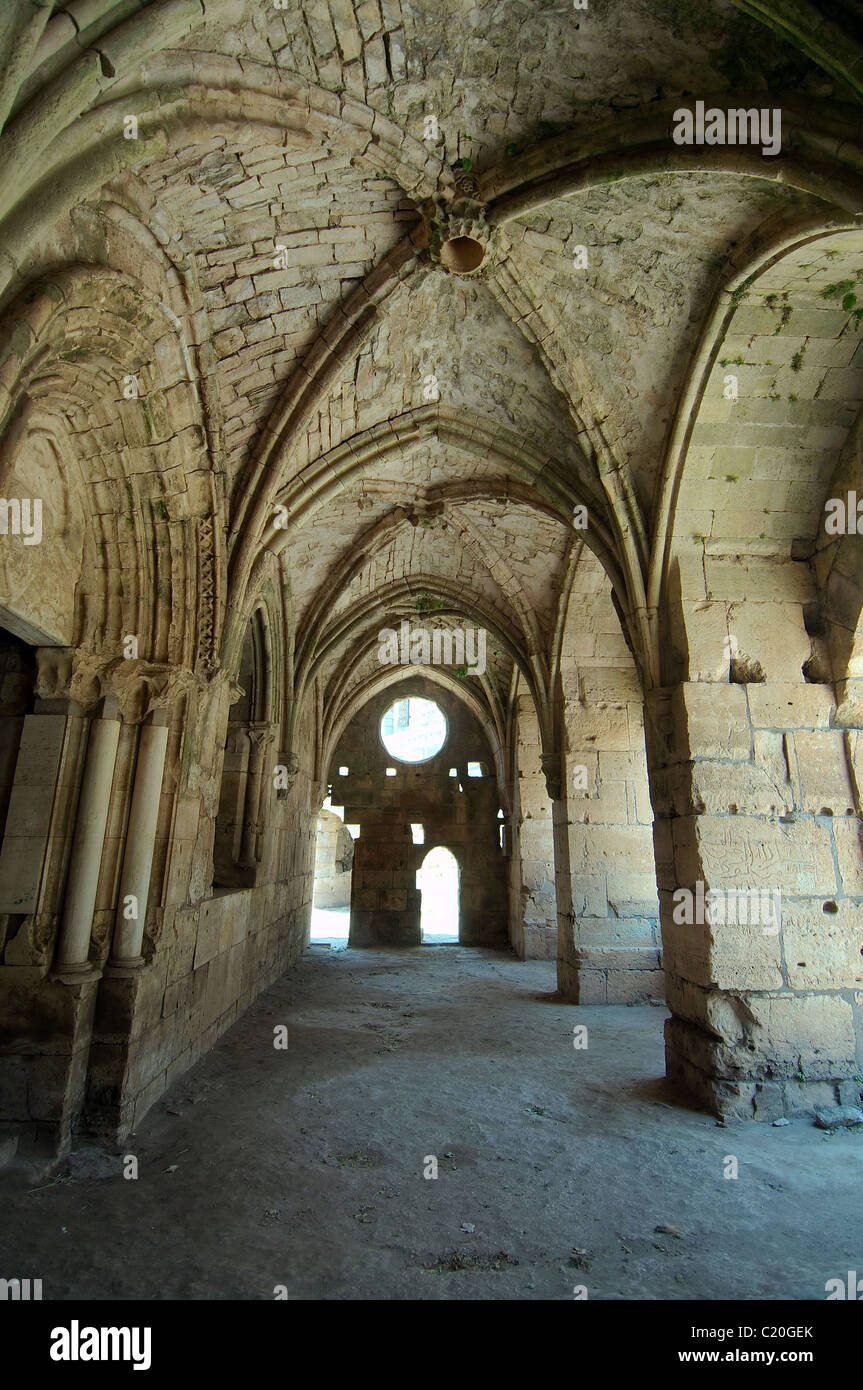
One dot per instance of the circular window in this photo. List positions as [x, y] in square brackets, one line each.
[413, 730]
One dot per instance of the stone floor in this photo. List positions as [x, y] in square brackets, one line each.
[304, 1167]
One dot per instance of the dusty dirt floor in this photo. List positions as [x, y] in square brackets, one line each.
[304, 1167]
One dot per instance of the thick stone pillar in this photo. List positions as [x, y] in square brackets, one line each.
[86, 860]
[753, 796]
[610, 839]
[534, 912]
[140, 844]
[385, 901]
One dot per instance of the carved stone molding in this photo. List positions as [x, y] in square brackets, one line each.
[460, 238]
[207, 656]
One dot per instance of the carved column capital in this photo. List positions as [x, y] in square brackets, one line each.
[54, 672]
[259, 735]
[141, 687]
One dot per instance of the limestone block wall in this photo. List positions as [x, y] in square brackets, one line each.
[610, 839]
[754, 790]
[385, 902]
[755, 787]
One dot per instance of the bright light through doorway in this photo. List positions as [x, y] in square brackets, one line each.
[331, 922]
[330, 925]
[437, 880]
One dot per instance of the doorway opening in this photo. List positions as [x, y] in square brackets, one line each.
[437, 881]
[334, 854]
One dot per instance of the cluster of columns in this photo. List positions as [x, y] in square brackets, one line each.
[66, 770]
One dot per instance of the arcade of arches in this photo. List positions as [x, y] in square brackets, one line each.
[328, 321]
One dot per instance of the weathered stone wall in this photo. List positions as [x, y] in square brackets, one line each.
[385, 901]
[249, 387]
[754, 791]
[533, 909]
[755, 786]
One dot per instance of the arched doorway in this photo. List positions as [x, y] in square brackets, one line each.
[437, 880]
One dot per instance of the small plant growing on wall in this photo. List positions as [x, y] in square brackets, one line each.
[848, 291]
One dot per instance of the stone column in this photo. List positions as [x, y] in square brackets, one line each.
[86, 861]
[260, 735]
[140, 843]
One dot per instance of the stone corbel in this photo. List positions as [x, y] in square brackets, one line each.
[91, 678]
[260, 734]
[849, 704]
[54, 672]
[75, 674]
[291, 763]
[551, 771]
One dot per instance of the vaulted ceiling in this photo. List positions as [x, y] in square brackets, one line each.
[279, 177]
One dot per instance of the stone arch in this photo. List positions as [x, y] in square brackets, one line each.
[347, 709]
[458, 812]
[81, 348]
[547, 483]
[753, 785]
[640, 146]
[44, 499]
